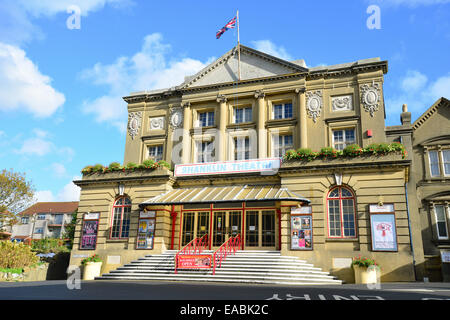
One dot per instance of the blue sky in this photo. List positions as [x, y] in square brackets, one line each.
[60, 88]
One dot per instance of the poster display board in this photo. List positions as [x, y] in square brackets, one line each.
[301, 228]
[89, 231]
[146, 230]
[383, 228]
[198, 261]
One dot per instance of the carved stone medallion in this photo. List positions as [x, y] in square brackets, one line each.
[314, 104]
[342, 103]
[157, 123]
[134, 123]
[176, 117]
[370, 97]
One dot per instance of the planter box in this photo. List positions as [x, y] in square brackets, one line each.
[366, 275]
[92, 270]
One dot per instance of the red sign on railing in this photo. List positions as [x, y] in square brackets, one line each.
[194, 261]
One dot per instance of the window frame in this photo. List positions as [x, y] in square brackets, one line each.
[244, 119]
[235, 151]
[341, 215]
[444, 172]
[24, 218]
[122, 212]
[446, 213]
[149, 156]
[283, 110]
[209, 122]
[435, 151]
[199, 151]
[276, 146]
[344, 143]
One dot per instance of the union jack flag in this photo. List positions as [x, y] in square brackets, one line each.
[231, 24]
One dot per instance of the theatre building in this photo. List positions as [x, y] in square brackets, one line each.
[224, 133]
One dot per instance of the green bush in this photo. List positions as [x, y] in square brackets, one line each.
[49, 246]
[131, 166]
[15, 255]
[353, 150]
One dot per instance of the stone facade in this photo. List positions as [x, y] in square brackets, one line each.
[291, 107]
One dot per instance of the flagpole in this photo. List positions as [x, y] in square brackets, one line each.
[238, 47]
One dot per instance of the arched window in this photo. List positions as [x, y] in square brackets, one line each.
[341, 213]
[120, 226]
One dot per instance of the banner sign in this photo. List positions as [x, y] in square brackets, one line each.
[301, 228]
[384, 235]
[198, 261]
[226, 167]
[89, 235]
[146, 234]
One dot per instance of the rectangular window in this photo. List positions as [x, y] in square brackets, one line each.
[206, 119]
[205, 151]
[446, 161]
[41, 217]
[434, 163]
[441, 221]
[39, 230]
[281, 144]
[241, 148]
[24, 220]
[242, 115]
[343, 138]
[282, 111]
[155, 152]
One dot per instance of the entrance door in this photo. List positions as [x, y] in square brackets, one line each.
[226, 224]
[260, 230]
[195, 224]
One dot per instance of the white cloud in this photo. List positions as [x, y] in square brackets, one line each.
[23, 87]
[58, 169]
[41, 145]
[269, 47]
[69, 192]
[148, 69]
[418, 92]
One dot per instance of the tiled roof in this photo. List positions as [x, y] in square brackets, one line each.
[51, 207]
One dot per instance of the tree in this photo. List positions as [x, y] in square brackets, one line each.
[16, 193]
[69, 233]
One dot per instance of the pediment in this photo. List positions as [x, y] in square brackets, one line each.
[253, 64]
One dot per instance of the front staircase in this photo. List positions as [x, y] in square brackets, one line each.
[266, 267]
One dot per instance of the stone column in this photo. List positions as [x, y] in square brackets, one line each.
[187, 120]
[262, 132]
[302, 123]
[221, 145]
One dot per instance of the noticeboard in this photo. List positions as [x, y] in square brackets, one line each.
[301, 229]
[145, 234]
[383, 229]
[89, 231]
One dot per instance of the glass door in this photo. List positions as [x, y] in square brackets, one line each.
[188, 228]
[226, 224]
[260, 230]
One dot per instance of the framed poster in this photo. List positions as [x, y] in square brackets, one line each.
[384, 232]
[89, 231]
[301, 230]
[146, 233]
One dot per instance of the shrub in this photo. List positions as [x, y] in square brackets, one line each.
[131, 166]
[149, 163]
[363, 262]
[328, 152]
[15, 255]
[115, 166]
[94, 258]
[163, 163]
[98, 168]
[353, 150]
[48, 246]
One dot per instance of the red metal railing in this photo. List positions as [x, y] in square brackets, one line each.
[195, 247]
[229, 247]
